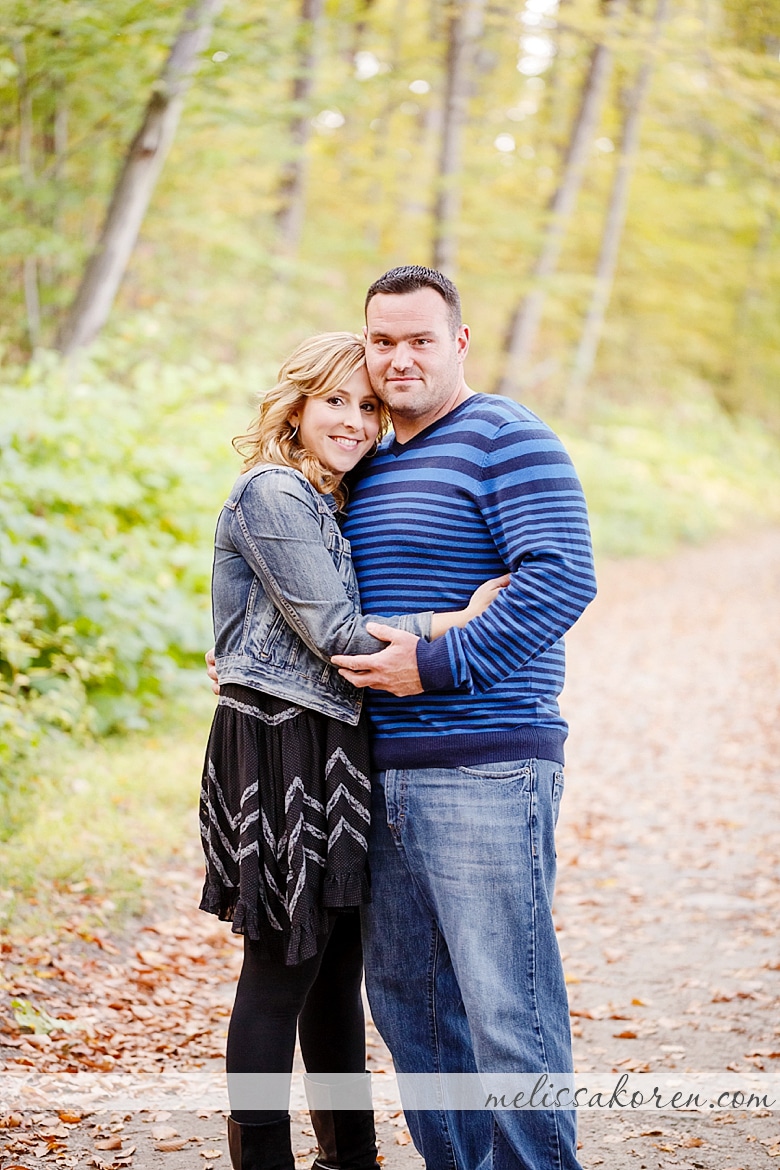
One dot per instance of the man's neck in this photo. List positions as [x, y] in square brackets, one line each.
[406, 428]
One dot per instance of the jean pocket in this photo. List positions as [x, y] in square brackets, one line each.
[500, 773]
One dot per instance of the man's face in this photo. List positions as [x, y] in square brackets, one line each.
[414, 362]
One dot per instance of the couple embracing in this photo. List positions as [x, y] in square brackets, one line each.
[412, 726]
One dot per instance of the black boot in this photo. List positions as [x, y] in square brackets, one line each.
[260, 1147]
[346, 1137]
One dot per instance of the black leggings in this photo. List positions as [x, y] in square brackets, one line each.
[320, 995]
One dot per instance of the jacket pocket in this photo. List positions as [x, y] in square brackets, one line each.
[280, 645]
[248, 616]
[341, 553]
[266, 635]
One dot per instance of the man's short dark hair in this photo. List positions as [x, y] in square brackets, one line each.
[412, 277]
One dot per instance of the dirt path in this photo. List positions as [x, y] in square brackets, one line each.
[668, 901]
[669, 887]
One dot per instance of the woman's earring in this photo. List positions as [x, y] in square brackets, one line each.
[293, 432]
[372, 450]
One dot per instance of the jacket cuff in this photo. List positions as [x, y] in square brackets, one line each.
[417, 623]
[433, 663]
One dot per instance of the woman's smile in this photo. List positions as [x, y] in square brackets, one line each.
[354, 409]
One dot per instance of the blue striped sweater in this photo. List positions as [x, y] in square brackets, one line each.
[486, 489]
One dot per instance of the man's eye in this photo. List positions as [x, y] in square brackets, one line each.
[422, 341]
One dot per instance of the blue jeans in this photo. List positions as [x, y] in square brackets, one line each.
[462, 965]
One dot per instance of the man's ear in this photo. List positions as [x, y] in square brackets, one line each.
[462, 342]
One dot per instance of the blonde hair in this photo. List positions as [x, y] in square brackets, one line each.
[318, 366]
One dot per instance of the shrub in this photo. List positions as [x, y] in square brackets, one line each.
[108, 496]
[656, 477]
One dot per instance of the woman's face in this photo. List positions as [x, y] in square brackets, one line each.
[341, 426]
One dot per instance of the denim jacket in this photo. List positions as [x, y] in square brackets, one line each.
[285, 596]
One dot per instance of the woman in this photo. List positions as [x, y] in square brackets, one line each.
[285, 796]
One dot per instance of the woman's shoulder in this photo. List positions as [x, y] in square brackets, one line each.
[270, 483]
[269, 477]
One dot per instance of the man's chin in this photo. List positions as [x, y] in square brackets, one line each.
[405, 401]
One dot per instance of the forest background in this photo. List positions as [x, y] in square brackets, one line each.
[602, 179]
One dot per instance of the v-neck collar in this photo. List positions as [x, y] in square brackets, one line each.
[396, 448]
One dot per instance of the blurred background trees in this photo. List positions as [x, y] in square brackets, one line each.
[323, 143]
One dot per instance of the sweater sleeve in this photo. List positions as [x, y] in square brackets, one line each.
[276, 529]
[533, 505]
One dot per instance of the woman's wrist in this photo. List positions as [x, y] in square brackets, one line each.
[441, 622]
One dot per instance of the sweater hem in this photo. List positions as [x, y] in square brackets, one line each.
[453, 751]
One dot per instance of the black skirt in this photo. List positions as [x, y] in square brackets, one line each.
[284, 816]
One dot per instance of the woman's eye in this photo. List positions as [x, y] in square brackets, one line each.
[369, 407]
[335, 400]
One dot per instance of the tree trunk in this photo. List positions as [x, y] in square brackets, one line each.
[60, 133]
[137, 180]
[463, 33]
[291, 210]
[382, 138]
[587, 349]
[32, 301]
[526, 319]
[555, 102]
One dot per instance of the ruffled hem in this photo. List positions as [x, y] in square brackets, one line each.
[302, 940]
[342, 890]
[216, 899]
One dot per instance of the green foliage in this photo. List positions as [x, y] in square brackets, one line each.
[755, 25]
[37, 1020]
[699, 276]
[108, 495]
[655, 479]
[87, 70]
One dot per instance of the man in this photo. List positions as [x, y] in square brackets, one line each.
[462, 965]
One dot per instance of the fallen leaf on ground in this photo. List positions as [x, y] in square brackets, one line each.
[171, 1145]
[164, 1133]
[112, 1143]
[154, 959]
